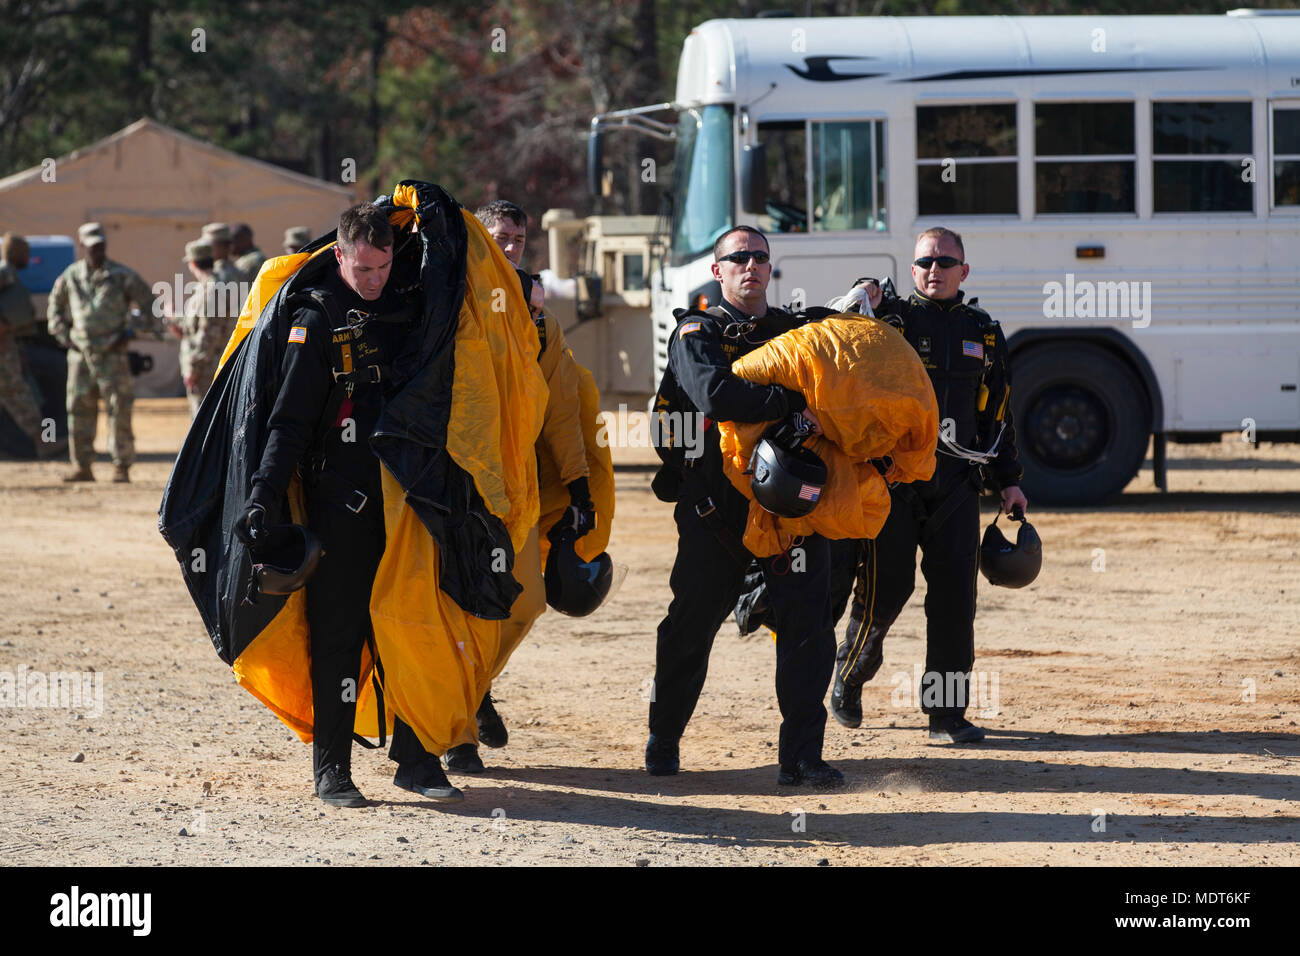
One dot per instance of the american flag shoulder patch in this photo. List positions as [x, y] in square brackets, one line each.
[298, 334]
[688, 327]
[810, 492]
[973, 349]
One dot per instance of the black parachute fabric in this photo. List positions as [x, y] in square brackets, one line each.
[211, 478]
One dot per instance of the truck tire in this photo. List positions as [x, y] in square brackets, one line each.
[1082, 422]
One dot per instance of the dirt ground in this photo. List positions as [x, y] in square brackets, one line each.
[1147, 697]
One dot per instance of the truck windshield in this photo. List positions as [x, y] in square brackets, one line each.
[702, 193]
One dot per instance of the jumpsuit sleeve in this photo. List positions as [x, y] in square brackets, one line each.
[1005, 468]
[704, 373]
[305, 384]
[562, 426]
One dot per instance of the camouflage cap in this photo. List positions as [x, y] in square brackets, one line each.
[217, 232]
[297, 236]
[196, 250]
[91, 233]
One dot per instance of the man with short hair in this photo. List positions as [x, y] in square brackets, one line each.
[320, 426]
[507, 224]
[17, 318]
[965, 353]
[203, 330]
[562, 437]
[709, 571]
[248, 258]
[89, 315]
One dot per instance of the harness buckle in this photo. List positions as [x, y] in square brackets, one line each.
[704, 507]
[358, 504]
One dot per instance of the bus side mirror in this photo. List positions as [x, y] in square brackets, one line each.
[753, 178]
[595, 159]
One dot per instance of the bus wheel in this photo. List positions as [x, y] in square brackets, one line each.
[1082, 421]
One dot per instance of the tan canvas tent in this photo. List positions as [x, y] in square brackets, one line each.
[153, 188]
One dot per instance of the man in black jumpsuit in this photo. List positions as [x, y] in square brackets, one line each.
[320, 426]
[709, 571]
[966, 355]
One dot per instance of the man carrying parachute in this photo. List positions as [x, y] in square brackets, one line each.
[388, 398]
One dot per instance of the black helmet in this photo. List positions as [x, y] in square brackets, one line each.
[285, 559]
[573, 586]
[787, 479]
[1008, 565]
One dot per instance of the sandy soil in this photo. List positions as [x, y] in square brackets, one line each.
[1157, 698]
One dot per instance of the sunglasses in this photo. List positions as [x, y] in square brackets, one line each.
[741, 258]
[945, 262]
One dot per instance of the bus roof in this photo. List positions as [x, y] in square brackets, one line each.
[803, 66]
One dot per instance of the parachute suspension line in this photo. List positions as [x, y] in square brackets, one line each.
[954, 450]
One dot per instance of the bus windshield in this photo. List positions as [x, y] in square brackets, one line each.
[702, 193]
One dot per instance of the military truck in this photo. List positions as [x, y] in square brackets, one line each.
[598, 288]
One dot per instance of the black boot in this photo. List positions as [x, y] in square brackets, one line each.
[463, 759]
[954, 729]
[661, 756]
[816, 773]
[427, 779]
[334, 786]
[846, 702]
[491, 728]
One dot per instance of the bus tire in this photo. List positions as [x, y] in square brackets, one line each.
[1082, 420]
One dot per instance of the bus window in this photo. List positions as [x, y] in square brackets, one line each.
[1286, 155]
[702, 190]
[1198, 149]
[1084, 157]
[966, 160]
[848, 175]
[787, 176]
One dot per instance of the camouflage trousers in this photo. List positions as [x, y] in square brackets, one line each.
[202, 382]
[89, 374]
[16, 396]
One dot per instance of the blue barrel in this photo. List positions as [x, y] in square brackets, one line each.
[50, 256]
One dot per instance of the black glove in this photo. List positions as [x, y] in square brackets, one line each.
[260, 512]
[580, 517]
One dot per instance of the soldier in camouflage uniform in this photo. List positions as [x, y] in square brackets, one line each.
[295, 237]
[89, 315]
[17, 317]
[223, 267]
[203, 331]
[248, 258]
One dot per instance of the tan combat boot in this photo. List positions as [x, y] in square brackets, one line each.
[120, 473]
[79, 473]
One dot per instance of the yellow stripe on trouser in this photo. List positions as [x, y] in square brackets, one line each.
[867, 618]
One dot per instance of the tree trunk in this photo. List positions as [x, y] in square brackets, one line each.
[142, 56]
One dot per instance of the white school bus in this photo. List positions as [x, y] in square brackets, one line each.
[1128, 189]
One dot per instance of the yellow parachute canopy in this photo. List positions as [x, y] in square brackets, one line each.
[869, 390]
